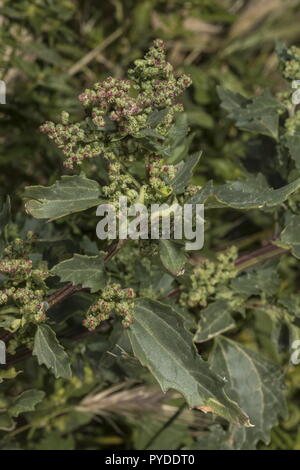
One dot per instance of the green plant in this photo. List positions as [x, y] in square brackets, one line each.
[214, 328]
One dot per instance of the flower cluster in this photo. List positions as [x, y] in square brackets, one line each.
[23, 288]
[110, 97]
[113, 299]
[291, 66]
[19, 248]
[116, 108]
[207, 278]
[292, 124]
[155, 86]
[191, 190]
[76, 141]
[120, 184]
[30, 303]
[16, 267]
[160, 175]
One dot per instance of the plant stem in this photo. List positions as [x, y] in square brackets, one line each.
[34, 424]
[62, 294]
[265, 253]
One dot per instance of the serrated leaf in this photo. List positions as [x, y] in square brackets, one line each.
[184, 174]
[256, 383]
[214, 320]
[231, 102]
[161, 342]
[252, 193]
[290, 236]
[83, 270]
[27, 401]
[172, 256]
[259, 114]
[68, 195]
[50, 352]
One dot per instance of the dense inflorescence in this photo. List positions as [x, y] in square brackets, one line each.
[23, 289]
[207, 278]
[113, 299]
[117, 108]
[291, 64]
[121, 183]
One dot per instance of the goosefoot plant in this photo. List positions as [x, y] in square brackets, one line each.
[131, 317]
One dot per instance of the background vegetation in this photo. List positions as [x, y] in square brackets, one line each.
[53, 49]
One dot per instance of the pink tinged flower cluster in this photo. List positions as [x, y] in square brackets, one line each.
[113, 299]
[151, 86]
[15, 267]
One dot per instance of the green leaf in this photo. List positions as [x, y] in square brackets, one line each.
[174, 146]
[188, 319]
[231, 102]
[172, 256]
[50, 352]
[293, 144]
[175, 142]
[184, 174]
[259, 114]
[161, 342]
[252, 193]
[83, 270]
[214, 320]
[255, 383]
[153, 278]
[27, 401]
[69, 195]
[257, 280]
[290, 236]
